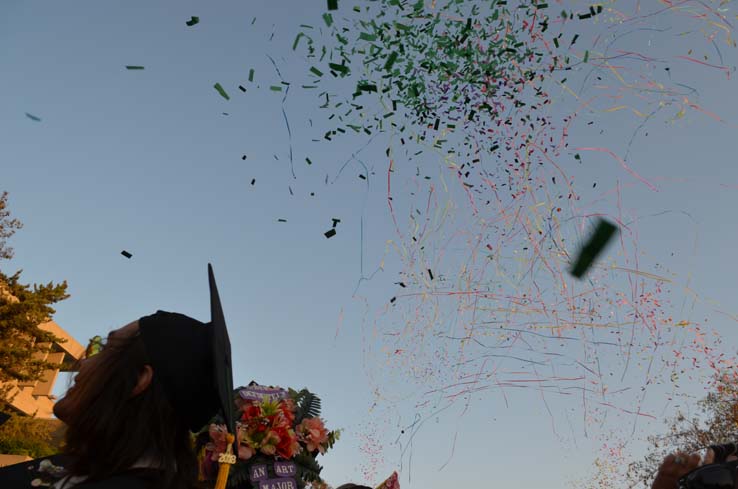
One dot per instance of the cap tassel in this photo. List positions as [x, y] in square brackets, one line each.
[225, 460]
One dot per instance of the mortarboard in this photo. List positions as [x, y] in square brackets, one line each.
[192, 362]
[601, 236]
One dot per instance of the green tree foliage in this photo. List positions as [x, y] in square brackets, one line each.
[8, 227]
[715, 422]
[23, 345]
[33, 437]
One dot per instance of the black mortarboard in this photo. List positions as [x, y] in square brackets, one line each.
[601, 236]
[192, 362]
[223, 369]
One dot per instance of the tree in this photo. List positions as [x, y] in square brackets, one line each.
[23, 345]
[7, 228]
[33, 437]
[716, 422]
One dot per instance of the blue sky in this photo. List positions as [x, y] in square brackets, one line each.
[145, 161]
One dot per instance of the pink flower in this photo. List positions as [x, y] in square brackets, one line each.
[312, 432]
[245, 452]
[218, 436]
[392, 482]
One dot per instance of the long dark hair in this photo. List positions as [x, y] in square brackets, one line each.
[111, 430]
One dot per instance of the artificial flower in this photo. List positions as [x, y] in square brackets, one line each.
[312, 432]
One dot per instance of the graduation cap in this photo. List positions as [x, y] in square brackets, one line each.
[191, 361]
[601, 236]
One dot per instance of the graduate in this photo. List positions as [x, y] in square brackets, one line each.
[134, 404]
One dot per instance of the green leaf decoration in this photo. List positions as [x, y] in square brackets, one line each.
[309, 467]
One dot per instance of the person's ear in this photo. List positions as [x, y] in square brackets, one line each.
[144, 380]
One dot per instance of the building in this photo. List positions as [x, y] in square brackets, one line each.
[36, 398]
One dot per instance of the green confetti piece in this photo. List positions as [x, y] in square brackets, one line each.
[367, 37]
[251, 75]
[308, 161]
[33, 117]
[343, 69]
[222, 92]
[315, 71]
[133, 67]
[586, 56]
[332, 4]
[366, 87]
[602, 235]
[390, 60]
[194, 20]
[275, 88]
[328, 19]
[297, 40]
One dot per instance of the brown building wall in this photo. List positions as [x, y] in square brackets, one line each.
[35, 398]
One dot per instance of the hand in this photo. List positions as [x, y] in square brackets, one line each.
[710, 457]
[673, 468]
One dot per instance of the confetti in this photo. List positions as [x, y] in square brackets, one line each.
[221, 91]
[33, 117]
[134, 67]
[126, 254]
[490, 210]
[601, 236]
[194, 20]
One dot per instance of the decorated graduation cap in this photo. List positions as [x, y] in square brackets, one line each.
[192, 363]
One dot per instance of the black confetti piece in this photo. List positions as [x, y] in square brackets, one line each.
[601, 236]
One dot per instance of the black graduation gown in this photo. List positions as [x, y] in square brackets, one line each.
[19, 476]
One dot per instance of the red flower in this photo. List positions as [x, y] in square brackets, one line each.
[288, 446]
[250, 412]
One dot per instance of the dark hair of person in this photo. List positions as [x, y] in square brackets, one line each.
[352, 486]
[111, 430]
